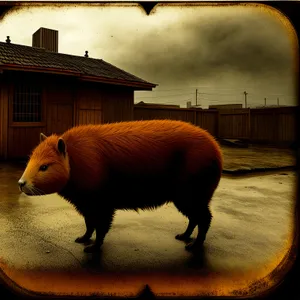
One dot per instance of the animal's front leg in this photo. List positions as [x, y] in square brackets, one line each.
[90, 227]
[103, 224]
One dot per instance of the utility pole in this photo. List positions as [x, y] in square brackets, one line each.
[278, 101]
[265, 101]
[245, 93]
[196, 96]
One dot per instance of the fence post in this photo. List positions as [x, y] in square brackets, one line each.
[195, 117]
[218, 116]
[199, 118]
[277, 126]
[249, 125]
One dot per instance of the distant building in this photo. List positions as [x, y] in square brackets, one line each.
[225, 106]
[142, 103]
[189, 105]
[269, 106]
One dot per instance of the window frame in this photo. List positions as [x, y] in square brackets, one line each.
[13, 123]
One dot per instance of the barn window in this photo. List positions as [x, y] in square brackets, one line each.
[27, 103]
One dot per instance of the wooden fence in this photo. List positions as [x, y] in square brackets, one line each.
[266, 125]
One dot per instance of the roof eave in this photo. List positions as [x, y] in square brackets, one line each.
[134, 84]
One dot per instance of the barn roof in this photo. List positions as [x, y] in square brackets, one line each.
[20, 57]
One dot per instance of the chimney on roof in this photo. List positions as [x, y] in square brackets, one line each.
[8, 40]
[86, 54]
[46, 38]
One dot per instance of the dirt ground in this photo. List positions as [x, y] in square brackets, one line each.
[236, 159]
[250, 233]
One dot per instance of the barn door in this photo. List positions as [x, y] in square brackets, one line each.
[59, 117]
[89, 105]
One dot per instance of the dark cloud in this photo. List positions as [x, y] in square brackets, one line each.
[242, 45]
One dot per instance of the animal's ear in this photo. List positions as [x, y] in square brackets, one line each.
[42, 137]
[61, 146]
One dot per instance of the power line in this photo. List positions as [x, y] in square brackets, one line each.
[236, 93]
[203, 86]
[220, 94]
[197, 87]
[188, 88]
[204, 97]
[185, 94]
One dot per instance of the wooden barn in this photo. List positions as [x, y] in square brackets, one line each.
[42, 90]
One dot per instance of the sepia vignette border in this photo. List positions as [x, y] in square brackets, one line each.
[289, 267]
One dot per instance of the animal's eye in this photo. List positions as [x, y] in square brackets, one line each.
[43, 167]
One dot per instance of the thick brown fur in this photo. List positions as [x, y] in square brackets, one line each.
[129, 165]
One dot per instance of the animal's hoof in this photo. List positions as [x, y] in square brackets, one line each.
[82, 239]
[182, 237]
[92, 248]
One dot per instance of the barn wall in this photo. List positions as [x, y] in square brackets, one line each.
[66, 103]
[3, 117]
[118, 105]
[97, 103]
[21, 138]
[59, 98]
[58, 106]
[88, 104]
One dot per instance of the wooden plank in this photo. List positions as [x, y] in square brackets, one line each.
[234, 123]
[22, 140]
[274, 125]
[117, 105]
[287, 132]
[3, 119]
[59, 118]
[89, 116]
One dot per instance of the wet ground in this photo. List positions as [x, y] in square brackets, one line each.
[250, 233]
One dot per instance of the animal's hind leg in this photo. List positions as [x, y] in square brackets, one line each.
[102, 225]
[203, 222]
[192, 220]
[189, 230]
[90, 227]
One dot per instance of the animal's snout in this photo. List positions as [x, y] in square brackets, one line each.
[21, 183]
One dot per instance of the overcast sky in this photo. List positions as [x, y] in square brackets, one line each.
[221, 51]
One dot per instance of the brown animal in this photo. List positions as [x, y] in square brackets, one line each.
[128, 165]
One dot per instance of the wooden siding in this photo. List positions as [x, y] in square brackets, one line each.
[3, 117]
[22, 140]
[60, 101]
[88, 116]
[57, 100]
[288, 124]
[208, 120]
[22, 137]
[117, 104]
[88, 104]
[267, 126]
[263, 126]
[98, 104]
[59, 118]
[66, 103]
[234, 123]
